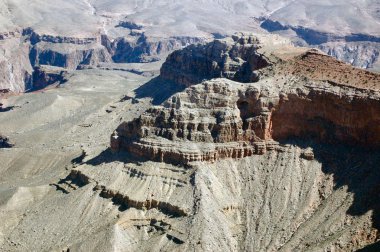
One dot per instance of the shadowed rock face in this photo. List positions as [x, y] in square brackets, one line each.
[44, 76]
[4, 142]
[141, 48]
[329, 116]
[27, 49]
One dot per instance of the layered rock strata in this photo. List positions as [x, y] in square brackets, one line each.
[360, 50]
[307, 95]
[283, 163]
[234, 58]
[27, 49]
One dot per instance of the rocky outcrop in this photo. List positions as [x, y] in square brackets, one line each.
[68, 56]
[32, 49]
[234, 58]
[140, 48]
[227, 119]
[288, 161]
[329, 113]
[9, 34]
[224, 119]
[35, 38]
[360, 50]
[15, 68]
[47, 75]
[364, 55]
[4, 142]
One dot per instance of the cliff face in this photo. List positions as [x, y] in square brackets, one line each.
[47, 75]
[329, 113]
[140, 48]
[308, 96]
[15, 68]
[364, 54]
[222, 119]
[283, 163]
[27, 50]
[234, 58]
[360, 50]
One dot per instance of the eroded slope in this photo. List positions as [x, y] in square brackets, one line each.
[285, 163]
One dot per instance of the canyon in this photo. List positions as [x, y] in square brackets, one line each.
[215, 146]
[242, 143]
[207, 125]
[94, 33]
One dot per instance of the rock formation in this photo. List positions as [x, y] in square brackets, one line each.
[287, 161]
[309, 95]
[4, 142]
[235, 59]
[15, 68]
[26, 50]
[47, 75]
[90, 33]
[360, 50]
[305, 109]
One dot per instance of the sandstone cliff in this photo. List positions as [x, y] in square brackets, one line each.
[304, 109]
[25, 50]
[308, 95]
[234, 58]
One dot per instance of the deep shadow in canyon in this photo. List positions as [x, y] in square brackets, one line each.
[352, 166]
[159, 90]
[314, 37]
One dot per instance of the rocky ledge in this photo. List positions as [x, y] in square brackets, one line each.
[293, 97]
[234, 58]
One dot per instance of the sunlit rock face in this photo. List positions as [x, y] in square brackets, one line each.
[309, 95]
[86, 34]
[275, 164]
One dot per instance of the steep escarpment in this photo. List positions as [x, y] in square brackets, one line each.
[360, 50]
[235, 59]
[140, 48]
[68, 56]
[278, 163]
[307, 95]
[47, 75]
[27, 50]
[15, 68]
[364, 54]
[222, 119]
[331, 114]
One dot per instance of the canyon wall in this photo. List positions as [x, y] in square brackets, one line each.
[360, 50]
[223, 118]
[234, 58]
[26, 50]
[286, 161]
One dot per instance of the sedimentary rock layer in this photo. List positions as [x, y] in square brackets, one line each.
[305, 95]
[234, 58]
